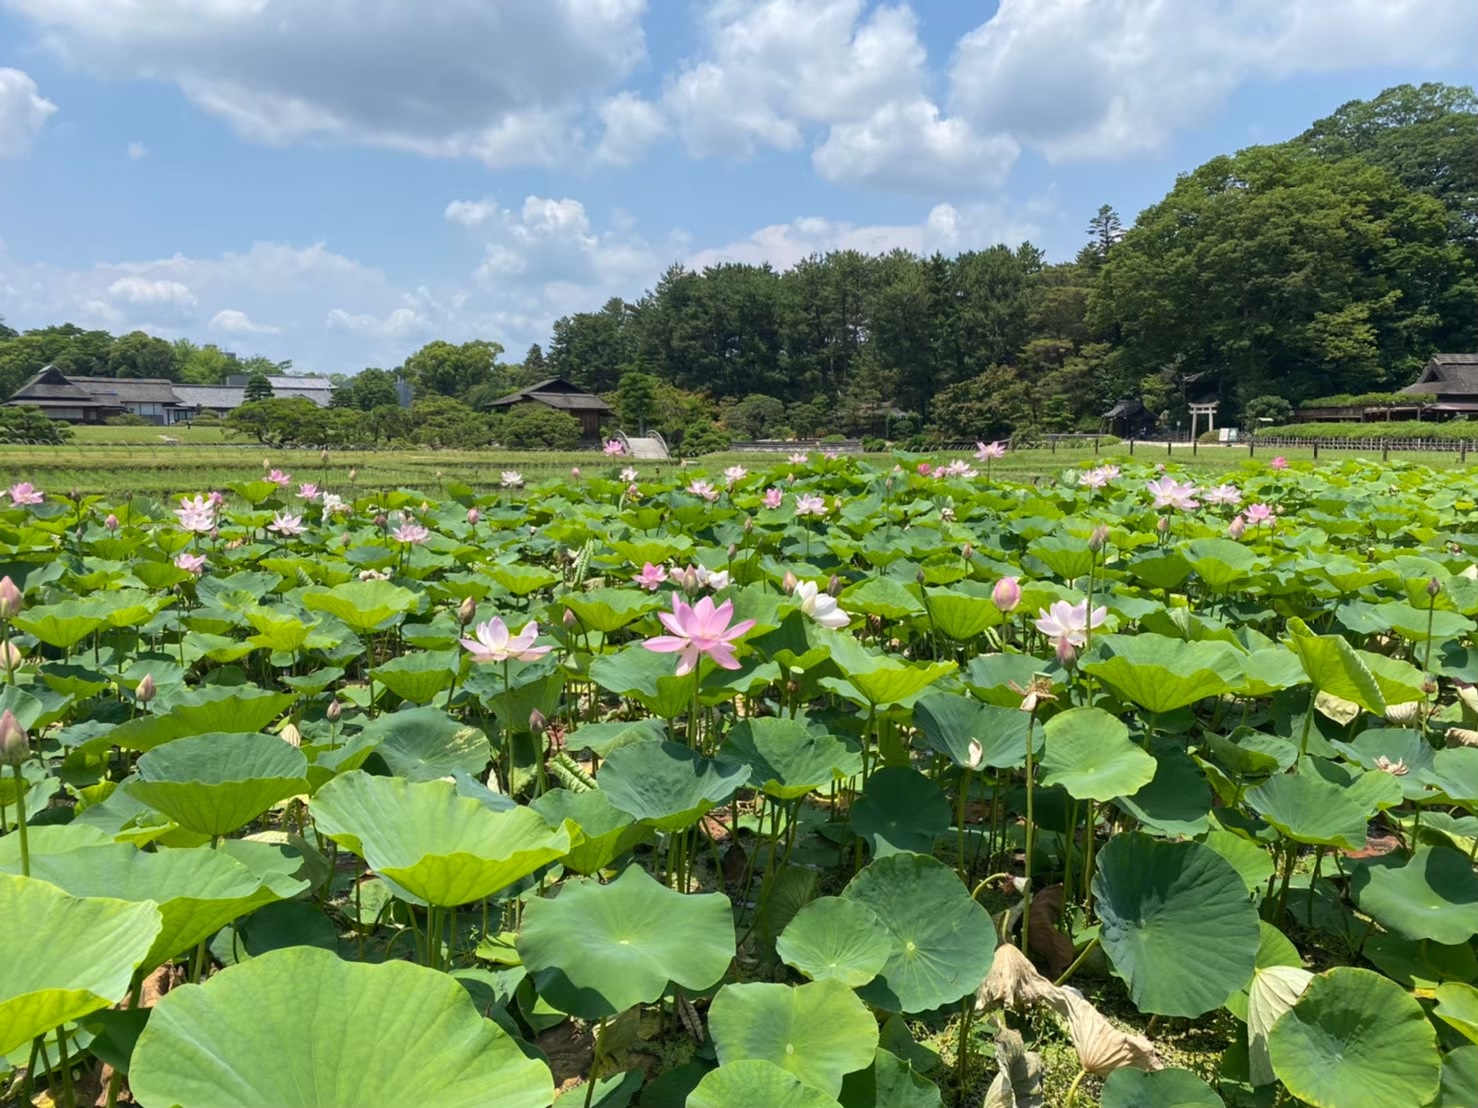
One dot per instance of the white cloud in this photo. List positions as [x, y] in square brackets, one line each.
[399, 324]
[1080, 79]
[135, 289]
[470, 213]
[632, 124]
[238, 322]
[137, 150]
[505, 81]
[906, 144]
[23, 112]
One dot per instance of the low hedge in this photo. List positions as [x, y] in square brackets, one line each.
[1364, 400]
[1395, 431]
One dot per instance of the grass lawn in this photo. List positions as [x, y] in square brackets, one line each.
[122, 459]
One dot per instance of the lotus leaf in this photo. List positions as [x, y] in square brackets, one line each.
[835, 939]
[1308, 809]
[666, 785]
[754, 1082]
[1128, 1087]
[1088, 753]
[213, 784]
[900, 809]
[606, 831]
[820, 1031]
[1161, 674]
[1431, 895]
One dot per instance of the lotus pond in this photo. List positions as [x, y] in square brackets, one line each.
[839, 782]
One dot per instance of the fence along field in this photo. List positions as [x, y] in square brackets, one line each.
[819, 781]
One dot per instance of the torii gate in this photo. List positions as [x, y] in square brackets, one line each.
[1209, 411]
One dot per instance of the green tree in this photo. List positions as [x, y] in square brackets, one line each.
[591, 348]
[636, 400]
[754, 417]
[277, 421]
[993, 405]
[387, 423]
[535, 427]
[1272, 409]
[203, 365]
[366, 390]
[1104, 232]
[258, 387]
[1275, 271]
[442, 368]
[445, 422]
[28, 424]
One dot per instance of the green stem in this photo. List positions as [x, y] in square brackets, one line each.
[600, 1036]
[1313, 881]
[1026, 892]
[960, 820]
[20, 820]
[1072, 1090]
[1078, 961]
[1303, 742]
[962, 1053]
[69, 1097]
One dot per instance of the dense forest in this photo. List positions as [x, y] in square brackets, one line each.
[1337, 262]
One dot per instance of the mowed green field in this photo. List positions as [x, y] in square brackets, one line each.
[109, 460]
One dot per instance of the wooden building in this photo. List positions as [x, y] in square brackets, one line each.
[562, 396]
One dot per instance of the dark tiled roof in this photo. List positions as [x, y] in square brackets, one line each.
[210, 396]
[1448, 375]
[128, 390]
[555, 392]
[51, 388]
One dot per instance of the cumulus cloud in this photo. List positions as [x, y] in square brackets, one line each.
[632, 124]
[136, 289]
[238, 322]
[399, 324]
[23, 112]
[1079, 79]
[505, 81]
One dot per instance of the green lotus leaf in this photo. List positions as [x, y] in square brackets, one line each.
[943, 941]
[1457, 1006]
[890, 1082]
[954, 725]
[1066, 556]
[960, 616]
[1220, 563]
[1128, 1087]
[1371, 791]
[363, 605]
[1459, 1078]
[65, 956]
[1178, 800]
[1267, 671]
[423, 744]
[1177, 923]
[1395, 744]
[61, 625]
[1247, 858]
[832, 938]
[1455, 773]
[878, 680]
[1089, 754]
[1307, 809]
[1399, 681]
[1356, 1040]
[435, 845]
[214, 784]
[606, 831]
[596, 950]
[645, 677]
[289, 1027]
[755, 1082]
[1334, 667]
[820, 1031]
[223, 709]
[881, 596]
[419, 677]
[1420, 965]
[1433, 894]
[666, 785]
[607, 610]
[1273, 991]
[1161, 674]
[522, 580]
[1273, 949]
[900, 809]
[197, 892]
[787, 759]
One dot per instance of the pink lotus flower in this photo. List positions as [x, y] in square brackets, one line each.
[633, 491]
[830, 455]
[282, 480]
[1007, 594]
[800, 459]
[614, 448]
[1279, 462]
[1093, 479]
[957, 468]
[23, 492]
[773, 497]
[308, 492]
[574, 473]
[216, 499]
[702, 488]
[1223, 494]
[410, 533]
[989, 451]
[493, 643]
[512, 479]
[698, 630]
[925, 469]
[1237, 527]
[1258, 514]
[1069, 623]
[286, 524]
[190, 563]
[650, 577]
[809, 505]
[196, 514]
[1170, 493]
[629, 475]
[735, 474]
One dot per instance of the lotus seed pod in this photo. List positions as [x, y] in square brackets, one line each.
[14, 745]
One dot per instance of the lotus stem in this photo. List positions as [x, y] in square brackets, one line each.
[1026, 892]
[1078, 961]
[600, 1037]
[962, 1052]
[69, 1095]
[1303, 742]
[20, 820]
[1313, 881]
[980, 888]
[1072, 1090]
[960, 821]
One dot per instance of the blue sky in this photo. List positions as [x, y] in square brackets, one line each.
[340, 181]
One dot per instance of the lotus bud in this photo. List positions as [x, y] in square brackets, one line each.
[1006, 595]
[323, 455]
[345, 540]
[266, 463]
[381, 520]
[834, 586]
[466, 611]
[574, 473]
[569, 620]
[1434, 587]
[146, 690]
[733, 550]
[748, 524]
[1066, 654]
[78, 534]
[10, 600]
[353, 473]
[111, 523]
[10, 657]
[291, 735]
[633, 491]
[790, 478]
[537, 722]
[1236, 528]
[1162, 524]
[920, 577]
[788, 583]
[333, 711]
[967, 552]
[14, 745]
[1098, 539]
[888, 485]
[216, 498]
[473, 515]
[215, 533]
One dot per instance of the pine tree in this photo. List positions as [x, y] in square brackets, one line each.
[258, 387]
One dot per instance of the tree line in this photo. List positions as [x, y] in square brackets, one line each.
[1336, 262]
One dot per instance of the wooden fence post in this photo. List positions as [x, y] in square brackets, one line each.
[1463, 451]
[1195, 443]
[1095, 444]
[1131, 447]
[1053, 441]
[1316, 450]
[1169, 448]
[1385, 450]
